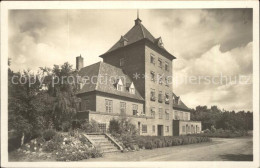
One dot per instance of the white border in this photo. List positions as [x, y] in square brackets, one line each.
[127, 5]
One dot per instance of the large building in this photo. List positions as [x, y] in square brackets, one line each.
[134, 80]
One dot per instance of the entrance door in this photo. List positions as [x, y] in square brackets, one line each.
[160, 130]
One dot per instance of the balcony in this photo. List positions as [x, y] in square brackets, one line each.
[167, 101]
[160, 100]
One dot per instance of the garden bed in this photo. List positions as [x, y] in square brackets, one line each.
[59, 146]
[132, 143]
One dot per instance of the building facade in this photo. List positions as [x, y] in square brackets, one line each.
[134, 80]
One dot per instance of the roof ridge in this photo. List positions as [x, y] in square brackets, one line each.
[96, 88]
[142, 29]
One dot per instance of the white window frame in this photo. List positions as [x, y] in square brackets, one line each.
[109, 105]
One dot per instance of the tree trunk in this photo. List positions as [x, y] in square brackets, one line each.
[22, 139]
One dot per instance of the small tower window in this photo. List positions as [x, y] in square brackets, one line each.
[160, 62]
[166, 66]
[152, 59]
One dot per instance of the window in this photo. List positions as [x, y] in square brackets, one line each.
[167, 128]
[135, 108]
[160, 113]
[167, 101]
[181, 115]
[186, 116]
[87, 105]
[152, 59]
[160, 97]
[120, 85]
[122, 107]
[183, 128]
[144, 128]
[153, 112]
[160, 62]
[167, 81]
[153, 128]
[160, 79]
[132, 90]
[153, 98]
[166, 66]
[167, 115]
[109, 106]
[152, 76]
[102, 127]
[122, 61]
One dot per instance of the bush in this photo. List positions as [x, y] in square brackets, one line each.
[122, 126]
[50, 146]
[90, 126]
[48, 134]
[66, 126]
[220, 133]
[151, 142]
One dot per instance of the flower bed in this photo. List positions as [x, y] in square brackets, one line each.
[150, 142]
[70, 146]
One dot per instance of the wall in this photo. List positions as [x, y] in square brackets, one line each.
[88, 101]
[134, 62]
[177, 115]
[190, 124]
[101, 105]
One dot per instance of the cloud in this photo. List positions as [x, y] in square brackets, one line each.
[233, 68]
[205, 42]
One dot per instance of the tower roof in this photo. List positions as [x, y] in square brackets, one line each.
[136, 33]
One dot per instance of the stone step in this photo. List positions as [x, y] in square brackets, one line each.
[110, 151]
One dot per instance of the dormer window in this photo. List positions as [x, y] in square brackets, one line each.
[120, 85]
[122, 62]
[132, 88]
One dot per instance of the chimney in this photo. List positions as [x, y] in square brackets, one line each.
[79, 62]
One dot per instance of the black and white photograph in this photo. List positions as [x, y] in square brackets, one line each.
[152, 84]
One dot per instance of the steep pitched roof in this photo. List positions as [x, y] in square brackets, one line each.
[104, 78]
[136, 33]
[181, 105]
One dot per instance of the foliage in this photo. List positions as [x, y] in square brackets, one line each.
[227, 120]
[66, 126]
[122, 126]
[48, 134]
[32, 109]
[90, 126]
[220, 133]
[151, 142]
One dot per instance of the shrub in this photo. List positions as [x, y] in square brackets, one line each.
[66, 126]
[149, 145]
[114, 126]
[50, 146]
[48, 134]
[90, 126]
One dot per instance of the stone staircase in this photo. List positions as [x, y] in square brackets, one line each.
[100, 140]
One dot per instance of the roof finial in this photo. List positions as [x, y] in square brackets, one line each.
[137, 21]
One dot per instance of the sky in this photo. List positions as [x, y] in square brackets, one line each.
[215, 44]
